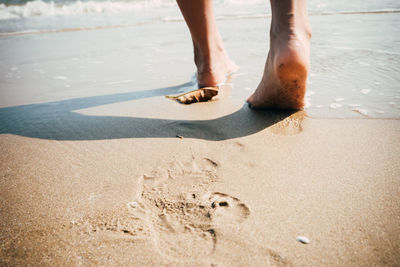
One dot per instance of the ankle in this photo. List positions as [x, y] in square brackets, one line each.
[300, 30]
[207, 48]
[208, 55]
[291, 23]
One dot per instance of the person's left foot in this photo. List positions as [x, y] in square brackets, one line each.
[213, 65]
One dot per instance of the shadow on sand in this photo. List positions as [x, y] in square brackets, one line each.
[58, 121]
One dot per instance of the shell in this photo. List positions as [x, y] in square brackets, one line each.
[303, 239]
[133, 204]
[361, 111]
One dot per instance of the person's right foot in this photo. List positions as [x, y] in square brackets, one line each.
[283, 85]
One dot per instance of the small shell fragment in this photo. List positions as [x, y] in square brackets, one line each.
[361, 111]
[133, 204]
[303, 239]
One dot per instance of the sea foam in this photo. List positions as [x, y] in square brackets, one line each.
[39, 8]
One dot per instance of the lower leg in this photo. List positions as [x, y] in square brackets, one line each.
[209, 54]
[283, 84]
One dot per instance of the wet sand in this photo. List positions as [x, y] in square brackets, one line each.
[99, 168]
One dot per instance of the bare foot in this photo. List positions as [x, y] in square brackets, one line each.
[212, 62]
[213, 66]
[283, 84]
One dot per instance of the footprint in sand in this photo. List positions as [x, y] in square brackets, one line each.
[227, 209]
[291, 125]
[184, 216]
[175, 209]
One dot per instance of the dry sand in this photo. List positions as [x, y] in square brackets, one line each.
[93, 173]
[184, 201]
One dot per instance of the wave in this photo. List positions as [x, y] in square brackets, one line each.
[227, 9]
[39, 8]
[312, 13]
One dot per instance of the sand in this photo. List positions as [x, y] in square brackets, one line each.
[99, 168]
[158, 201]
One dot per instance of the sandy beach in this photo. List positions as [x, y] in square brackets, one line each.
[99, 168]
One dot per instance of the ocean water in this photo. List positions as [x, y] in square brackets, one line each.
[355, 50]
[46, 15]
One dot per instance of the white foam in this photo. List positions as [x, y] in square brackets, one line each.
[121, 82]
[307, 103]
[340, 99]
[363, 63]
[319, 106]
[380, 111]
[39, 8]
[95, 62]
[310, 93]
[60, 78]
[365, 91]
[242, 2]
[226, 17]
[335, 105]
[172, 19]
[354, 105]
[19, 32]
